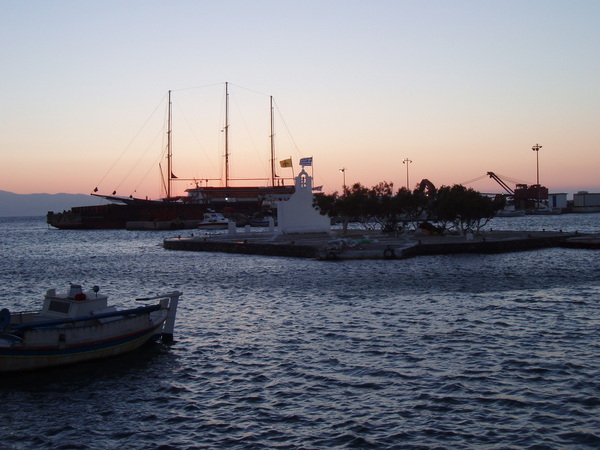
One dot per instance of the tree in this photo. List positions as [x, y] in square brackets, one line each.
[464, 207]
[381, 207]
[417, 204]
[353, 205]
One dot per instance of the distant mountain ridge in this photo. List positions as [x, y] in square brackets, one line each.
[15, 205]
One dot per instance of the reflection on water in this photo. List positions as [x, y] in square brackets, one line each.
[459, 351]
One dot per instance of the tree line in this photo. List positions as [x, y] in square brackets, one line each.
[449, 208]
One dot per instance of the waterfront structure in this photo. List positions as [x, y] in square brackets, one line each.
[298, 215]
[557, 201]
[586, 202]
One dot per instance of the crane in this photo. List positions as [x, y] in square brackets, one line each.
[498, 180]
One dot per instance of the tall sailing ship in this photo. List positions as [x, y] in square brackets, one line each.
[178, 212]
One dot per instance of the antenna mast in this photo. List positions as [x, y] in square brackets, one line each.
[169, 150]
[226, 134]
[272, 146]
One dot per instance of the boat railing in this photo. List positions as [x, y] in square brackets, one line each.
[21, 317]
[54, 322]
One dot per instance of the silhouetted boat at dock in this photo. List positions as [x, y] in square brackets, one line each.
[178, 212]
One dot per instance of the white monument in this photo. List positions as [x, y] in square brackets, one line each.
[297, 215]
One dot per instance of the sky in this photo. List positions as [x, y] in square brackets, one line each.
[460, 88]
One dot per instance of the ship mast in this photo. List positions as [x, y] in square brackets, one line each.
[226, 134]
[272, 147]
[169, 150]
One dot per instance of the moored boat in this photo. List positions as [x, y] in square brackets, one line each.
[214, 221]
[178, 212]
[80, 326]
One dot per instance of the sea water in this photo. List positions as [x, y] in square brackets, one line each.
[459, 351]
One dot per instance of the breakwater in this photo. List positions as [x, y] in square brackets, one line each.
[330, 246]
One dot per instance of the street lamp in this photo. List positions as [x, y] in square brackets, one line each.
[407, 162]
[536, 149]
[343, 170]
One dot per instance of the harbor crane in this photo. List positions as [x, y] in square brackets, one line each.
[524, 196]
[501, 182]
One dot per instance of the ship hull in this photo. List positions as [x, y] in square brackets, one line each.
[22, 359]
[116, 216]
[138, 214]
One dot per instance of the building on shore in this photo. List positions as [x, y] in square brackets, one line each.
[557, 201]
[586, 202]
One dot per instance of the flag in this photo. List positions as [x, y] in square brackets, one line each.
[286, 162]
[306, 161]
[318, 188]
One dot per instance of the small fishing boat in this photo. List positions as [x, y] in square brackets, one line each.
[214, 221]
[79, 326]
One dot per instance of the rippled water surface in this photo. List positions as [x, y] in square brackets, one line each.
[461, 351]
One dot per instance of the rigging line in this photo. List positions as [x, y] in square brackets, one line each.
[163, 187]
[131, 142]
[221, 140]
[163, 183]
[197, 87]
[160, 132]
[315, 173]
[150, 168]
[249, 90]
[195, 135]
[135, 166]
[512, 180]
[164, 151]
[249, 134]
[474, 180]
[287, 129]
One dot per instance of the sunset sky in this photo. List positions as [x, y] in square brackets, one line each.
[459, 87]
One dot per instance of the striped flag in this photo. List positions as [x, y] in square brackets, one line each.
[304, 162]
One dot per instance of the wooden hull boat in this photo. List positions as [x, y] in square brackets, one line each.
[77, 326]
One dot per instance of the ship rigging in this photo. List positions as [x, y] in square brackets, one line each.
[173, 211]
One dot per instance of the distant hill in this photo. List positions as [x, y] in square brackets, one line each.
[14, 205]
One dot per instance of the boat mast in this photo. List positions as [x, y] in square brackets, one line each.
[226, 134]
[272, 147]
[169, 150]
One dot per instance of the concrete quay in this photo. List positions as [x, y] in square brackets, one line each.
[589, 241]
[367, 245]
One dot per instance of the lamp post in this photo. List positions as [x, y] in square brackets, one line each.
[343, 170]
[407, 162]
[536, 149]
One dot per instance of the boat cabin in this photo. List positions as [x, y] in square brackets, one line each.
[75, 303]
